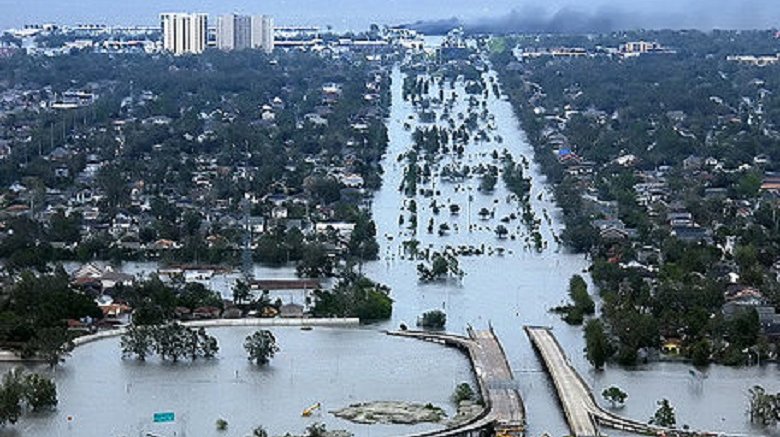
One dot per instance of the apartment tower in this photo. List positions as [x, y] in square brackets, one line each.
[184, 33]
[238, 32]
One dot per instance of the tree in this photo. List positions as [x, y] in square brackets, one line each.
[488, 182]
[172, 341]
[39, 392]
[137, 340]
[596, 343]
[582, 303]
[764, 407]
[664, 416]
[442, 264]
[615, 396]
[221, 424]
[501, 231]
[434, 319]
[65, 228]
[52, 345]
[207, 345]
[259, 432]
[19, 390]
[315, 262]
[700, 352]
[261, 347]
[748, 184]
[354, 295]
[316, 430]
[463, 392]
[11, 395]
[194, 295]
[743, 330]
[241, 292]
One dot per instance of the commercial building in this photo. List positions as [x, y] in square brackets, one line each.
[184, 33]
[238, 32]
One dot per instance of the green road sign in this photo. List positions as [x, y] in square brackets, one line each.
[164, 417]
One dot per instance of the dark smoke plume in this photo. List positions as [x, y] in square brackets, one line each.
[668, 14]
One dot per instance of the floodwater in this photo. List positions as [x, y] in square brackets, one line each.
[108, 396]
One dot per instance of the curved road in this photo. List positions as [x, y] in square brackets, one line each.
[504, 412]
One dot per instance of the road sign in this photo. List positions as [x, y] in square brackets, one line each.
[164, 417]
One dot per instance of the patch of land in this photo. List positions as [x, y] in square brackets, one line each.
[335, 433]
[391, 412]
[467, 410]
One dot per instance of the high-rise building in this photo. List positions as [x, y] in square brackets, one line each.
[262, 32]
[184, 33]
[237, 32]
[234, 32]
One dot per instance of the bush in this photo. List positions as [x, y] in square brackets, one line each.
[435, 319]
[615, 396]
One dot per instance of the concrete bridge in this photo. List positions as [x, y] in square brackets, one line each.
[504, 414]
[582, 412]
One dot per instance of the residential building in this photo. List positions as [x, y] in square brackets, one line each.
[756, 61]
[262, 32]
[639, 47]
[184, 33]
[234, 32]
[238, 32]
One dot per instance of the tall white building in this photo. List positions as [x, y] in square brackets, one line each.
[234, 32]
[184, 33]
[237, 32]
[262, 32]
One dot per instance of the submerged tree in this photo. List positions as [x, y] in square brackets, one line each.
[137, 340]
[19, 390]
[354, 296]
[764, 407]
[664, 415]
[39, 392]
[442, 265]
[259, 432]
[615, 396]
[261, 347]
[172, 341]
[434, 319]
[596, 343]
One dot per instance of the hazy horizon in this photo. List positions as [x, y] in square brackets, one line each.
[359, 14]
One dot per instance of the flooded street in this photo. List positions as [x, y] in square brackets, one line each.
[520, 287]
[109, 396]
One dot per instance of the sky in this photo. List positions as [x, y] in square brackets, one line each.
[358, 14]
